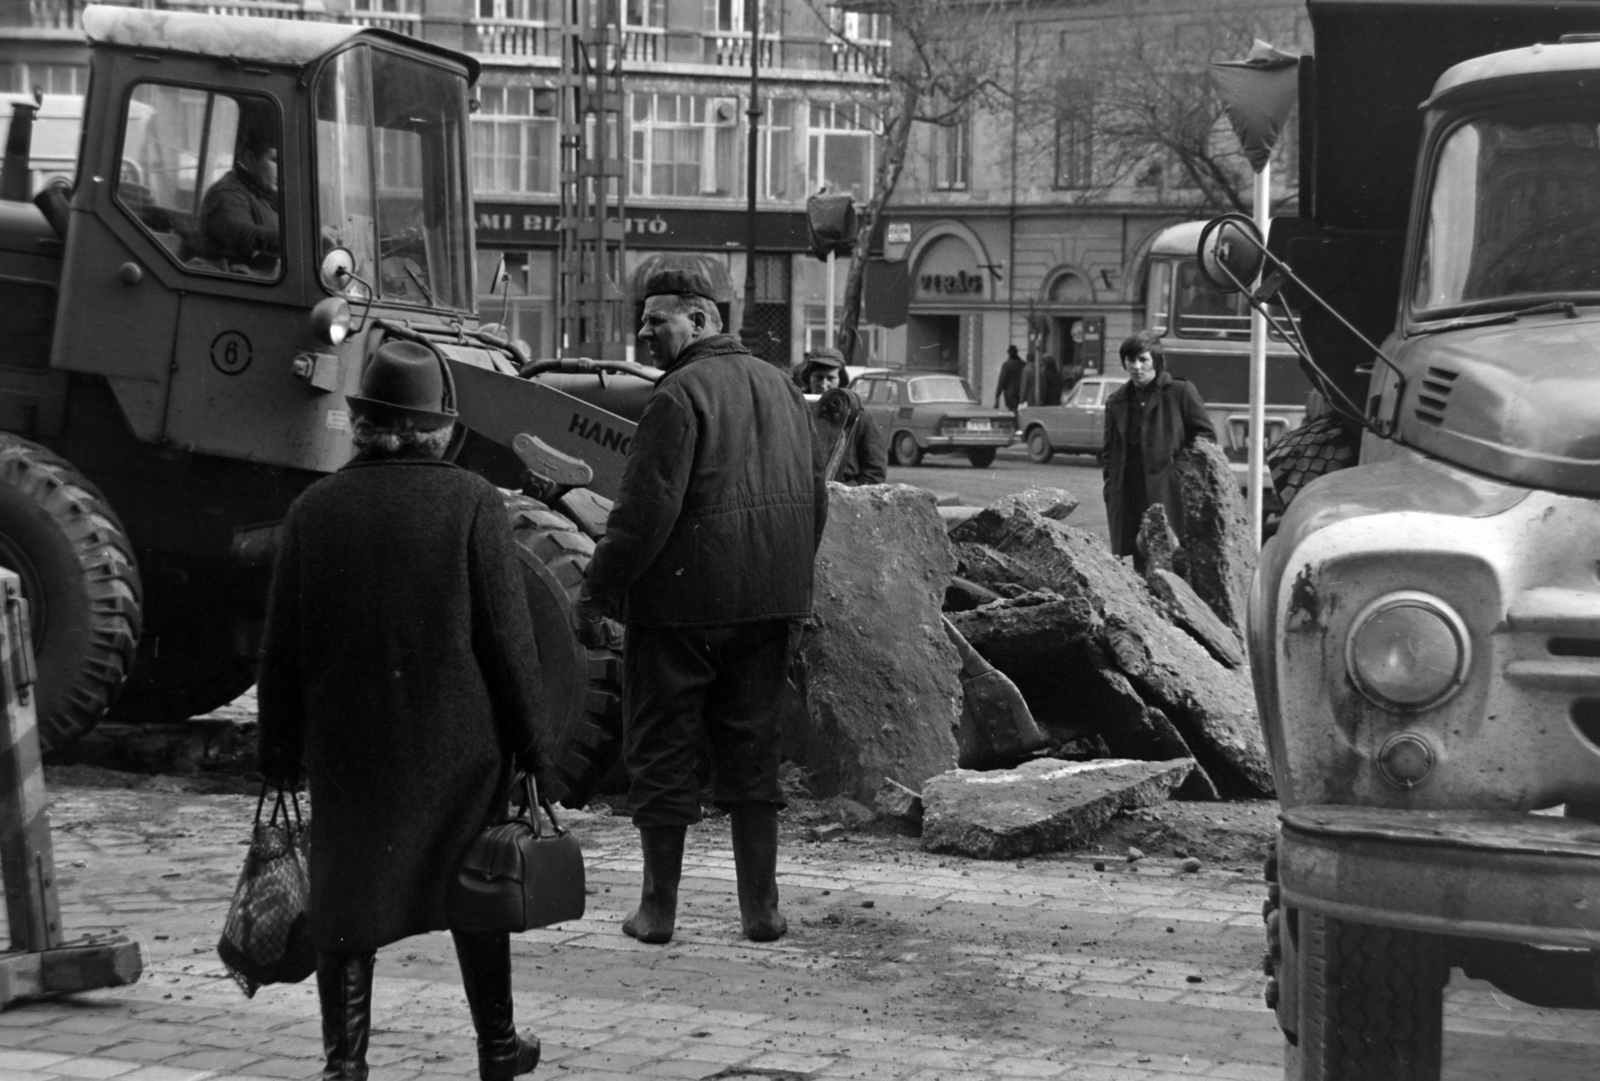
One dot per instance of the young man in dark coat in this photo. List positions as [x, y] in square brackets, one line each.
[399, 665]
[707, 559]
[1149, 419]
[866, 459]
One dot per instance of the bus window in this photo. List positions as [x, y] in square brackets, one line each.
[1158, 297]
[1201, 310]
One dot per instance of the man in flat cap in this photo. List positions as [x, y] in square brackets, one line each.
[707, 560]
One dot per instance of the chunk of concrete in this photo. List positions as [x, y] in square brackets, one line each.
[963, 595]
[1041, 806]
[1194, 615]
[1216, 530]
[896, 801]
[1055, 503]
[879, 677]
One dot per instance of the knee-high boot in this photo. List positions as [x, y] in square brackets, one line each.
[755, 862]
[344, 987]
[657, 915]
[485, 958]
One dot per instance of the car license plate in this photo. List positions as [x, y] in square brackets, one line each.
[979, 425]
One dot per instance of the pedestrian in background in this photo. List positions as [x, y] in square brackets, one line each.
[866, 459]
[1030, 380]
[399, 667]
[1008, 385]
[1149, 419]
[1049, 381]
[707, 559]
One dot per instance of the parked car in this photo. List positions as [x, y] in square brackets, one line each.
[1076, 426]
[933, 413]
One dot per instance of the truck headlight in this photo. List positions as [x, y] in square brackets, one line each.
[1408, 650]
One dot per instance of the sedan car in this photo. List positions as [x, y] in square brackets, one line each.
[1076, 426]
[933, 413]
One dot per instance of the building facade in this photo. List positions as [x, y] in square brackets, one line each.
[686, 67]
[1030, 221]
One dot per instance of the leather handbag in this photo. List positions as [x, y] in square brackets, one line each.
[516, 875]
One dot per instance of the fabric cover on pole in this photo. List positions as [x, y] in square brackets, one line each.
[886, 292]
[1257, 93]
[832, 221]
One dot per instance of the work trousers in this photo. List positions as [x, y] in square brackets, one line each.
[717, 687]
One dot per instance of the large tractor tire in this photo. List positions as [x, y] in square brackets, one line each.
[206, 663]
[1314, 449]
[582, 686]
[1371, 1003]
[81, 582]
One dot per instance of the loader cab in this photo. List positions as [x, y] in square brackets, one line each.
[223, 160]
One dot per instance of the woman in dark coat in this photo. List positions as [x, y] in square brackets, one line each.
[1149, 419]
[399, 665]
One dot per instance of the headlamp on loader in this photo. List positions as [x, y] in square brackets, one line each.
[330, 320]
[1408, 651]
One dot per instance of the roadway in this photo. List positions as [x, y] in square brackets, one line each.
[1012, 471]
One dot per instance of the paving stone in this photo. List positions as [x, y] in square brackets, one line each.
[93, 1069]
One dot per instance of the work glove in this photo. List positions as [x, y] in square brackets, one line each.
[589, 617]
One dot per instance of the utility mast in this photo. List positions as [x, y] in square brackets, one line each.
[593, 321]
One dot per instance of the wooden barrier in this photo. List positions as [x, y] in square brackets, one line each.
[41, 961]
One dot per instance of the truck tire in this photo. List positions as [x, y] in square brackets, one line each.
[81, 581]
[1316, 448]
[206, 662]
[582, 686]
[1371, 1003]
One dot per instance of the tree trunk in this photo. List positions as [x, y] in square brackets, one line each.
[889, 168]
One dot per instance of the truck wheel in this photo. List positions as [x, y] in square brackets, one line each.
[1317, 447]
[1039, 448]
[583, 687]
[906, 451]
[1371, 1002]
[981, 457]
[206, 662]
[81, 581]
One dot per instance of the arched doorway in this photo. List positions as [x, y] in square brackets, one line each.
[948, 284]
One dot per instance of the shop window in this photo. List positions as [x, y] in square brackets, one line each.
[200, 174]
[30, 325]
[514, 141]
[522, 301]
[683, 144]
[841, 145]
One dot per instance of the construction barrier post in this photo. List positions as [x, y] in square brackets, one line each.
[40, 960]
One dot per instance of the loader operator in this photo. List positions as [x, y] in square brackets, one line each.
[239, 215]
[707, 560]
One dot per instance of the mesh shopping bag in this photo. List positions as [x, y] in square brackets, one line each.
[266, 938]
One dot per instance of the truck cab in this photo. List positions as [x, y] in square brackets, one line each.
[1424, 628]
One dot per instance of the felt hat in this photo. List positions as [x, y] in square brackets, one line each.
[680, 283]
[405, 380]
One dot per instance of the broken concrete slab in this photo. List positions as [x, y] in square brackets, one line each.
[954, 516]
[879, 677]
[1216, 529]
[1054, 503]
[1157, 542]
[1194, 615]
[1212, 706]
[1041, 806]
[997, 729]
[963, 595]
[894, 800]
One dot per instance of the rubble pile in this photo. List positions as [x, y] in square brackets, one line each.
[1216, 529]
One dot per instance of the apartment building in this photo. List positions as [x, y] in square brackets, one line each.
[1030, 222]
[687, 79]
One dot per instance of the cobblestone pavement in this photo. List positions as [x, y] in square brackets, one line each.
[900, 966]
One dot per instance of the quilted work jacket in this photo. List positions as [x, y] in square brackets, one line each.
[723, 500]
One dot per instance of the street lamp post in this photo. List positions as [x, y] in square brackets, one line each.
[749, 334]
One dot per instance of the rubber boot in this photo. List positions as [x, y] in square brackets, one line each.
[485, 958]
[755, 861]
[344, 987]
[653, 921]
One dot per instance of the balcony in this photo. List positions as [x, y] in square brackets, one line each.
[399, 22]
[643, 44]
[516, 37]
[733, 50]
[261, 9]
[860, 57]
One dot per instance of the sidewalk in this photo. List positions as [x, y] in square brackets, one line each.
[899, 965]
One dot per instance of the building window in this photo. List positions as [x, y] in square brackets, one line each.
[841, 149]
[534, 11]
[21, 78]
[514, 141]
[951, 155]
[1075, 134]
[683, 144]
[728, 16]
[645, 13]
[782, 165]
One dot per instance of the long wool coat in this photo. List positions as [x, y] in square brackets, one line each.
[399, 661]
[1174, 417]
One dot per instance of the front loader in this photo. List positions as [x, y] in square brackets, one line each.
[165, 392]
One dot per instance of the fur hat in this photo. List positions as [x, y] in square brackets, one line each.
[682, 283]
